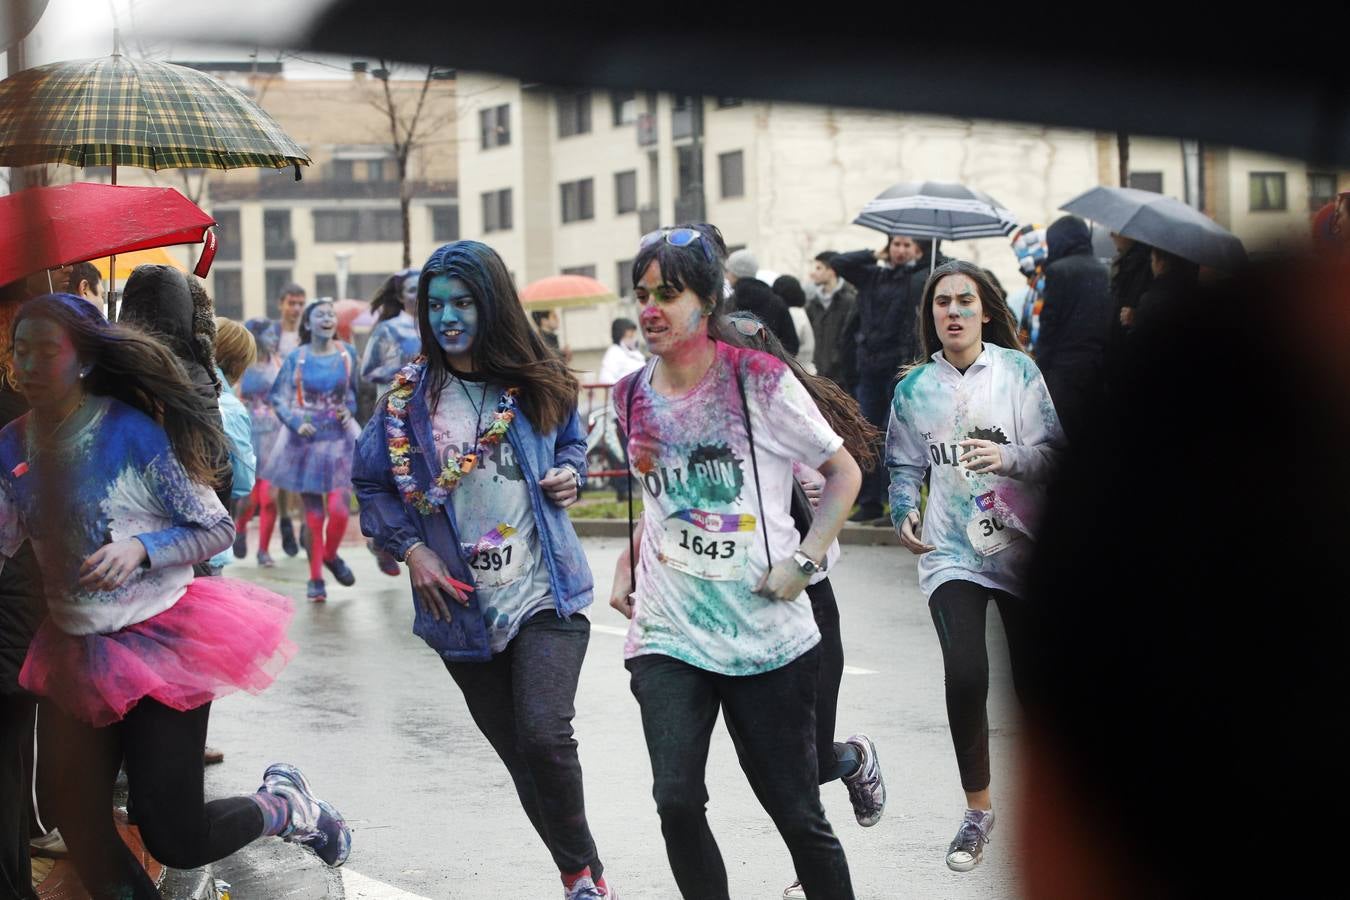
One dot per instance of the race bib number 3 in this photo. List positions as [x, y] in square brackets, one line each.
[498, 566]
[710, 546]
[988, 534]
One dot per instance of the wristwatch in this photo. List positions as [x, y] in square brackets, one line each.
[806, 564]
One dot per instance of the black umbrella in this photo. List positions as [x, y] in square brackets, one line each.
[936, 210]
[1161, 222]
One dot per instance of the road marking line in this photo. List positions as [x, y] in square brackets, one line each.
[623, 632]
[358, 887]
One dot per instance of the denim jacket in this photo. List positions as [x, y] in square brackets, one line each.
[395, 525]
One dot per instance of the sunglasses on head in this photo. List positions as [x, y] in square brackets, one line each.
[678, 237]
[747, 325]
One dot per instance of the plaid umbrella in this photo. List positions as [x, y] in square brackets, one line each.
[935, 209]
[116, 111]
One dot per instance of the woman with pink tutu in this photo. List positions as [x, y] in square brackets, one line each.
[315, 398]
[108, 476]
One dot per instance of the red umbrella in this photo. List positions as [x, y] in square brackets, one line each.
[48, 227]
[565, 291]
[348, 311]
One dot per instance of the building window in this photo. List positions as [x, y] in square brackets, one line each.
[494, 126]
[1147, 181]
[361, 285]
[444, 223]
[342, 170]
[625, 106]
[497, 211]
[277, 241]
[685, 116]
[365, 225]
[228, 246]
[731, 166]
[624, 271]
[625, 192]
[728, 102]
[277, 278]
[228, 292]
[1321, 189]
[574, 113]
[588, 271]
[380, 170]
[689, 170]
[1267, 191]
[578, 200]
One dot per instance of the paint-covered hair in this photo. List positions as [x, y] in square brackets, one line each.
[305, 332]
[506, 348]
[1001, 329]
[261, 327]
[689, 268]
[842, 412]
[133, 367]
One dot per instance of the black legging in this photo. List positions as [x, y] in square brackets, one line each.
[162, 749]
[834, 759]
[958, 609]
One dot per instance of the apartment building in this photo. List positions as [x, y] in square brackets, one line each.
[342, 221]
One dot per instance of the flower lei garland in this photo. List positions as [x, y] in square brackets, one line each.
[455, 468]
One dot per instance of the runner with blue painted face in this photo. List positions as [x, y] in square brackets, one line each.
[977, 417]
[465, 473]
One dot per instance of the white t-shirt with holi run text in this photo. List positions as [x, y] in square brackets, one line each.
[703, 546]
[510, 573]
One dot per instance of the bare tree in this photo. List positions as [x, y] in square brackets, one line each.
[406, 128]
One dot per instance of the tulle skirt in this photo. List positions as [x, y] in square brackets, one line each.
[221, 635]
[312, 465]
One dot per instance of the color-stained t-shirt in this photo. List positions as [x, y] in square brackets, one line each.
[983, 526]
[702, 550]
[121, 481]
[493, 512]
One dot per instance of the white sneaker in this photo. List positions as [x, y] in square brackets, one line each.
[967, 848]
[794, 891]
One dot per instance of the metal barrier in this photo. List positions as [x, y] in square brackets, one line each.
[604, 454]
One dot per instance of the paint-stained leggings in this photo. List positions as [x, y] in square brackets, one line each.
[324, 546]
[162, 749]
[773, 716]
[261, 502]
[523, 701]
[958, 609]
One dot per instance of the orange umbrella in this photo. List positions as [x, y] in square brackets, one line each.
[566, 291]
[126, 262]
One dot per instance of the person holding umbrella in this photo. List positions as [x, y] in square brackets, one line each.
[889, 283]
[976, 417]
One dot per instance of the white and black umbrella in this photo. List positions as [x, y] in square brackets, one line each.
[937, 210]
[1161, 222]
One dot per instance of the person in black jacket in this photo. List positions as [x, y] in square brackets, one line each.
[1131, 275]
[1075, 322]
[885, 332]
[749, 294]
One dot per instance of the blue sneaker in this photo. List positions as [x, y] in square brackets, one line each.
[314, 823]
[316, 591]
[341, 571]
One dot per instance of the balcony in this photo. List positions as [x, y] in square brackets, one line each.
[281, 186]
[686, 121]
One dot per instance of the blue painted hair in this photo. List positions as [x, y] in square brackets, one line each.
[261, 327]
[506, 349]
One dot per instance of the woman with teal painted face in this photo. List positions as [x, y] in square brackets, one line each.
[720, 618]
[314, 396]
[975, 413]
[465, 473]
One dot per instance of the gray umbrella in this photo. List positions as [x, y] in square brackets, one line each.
[936, 209]
[1161, 222]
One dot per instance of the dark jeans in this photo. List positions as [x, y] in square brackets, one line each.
[958, 609]
[16, 732]
[772, 717]
[523, 702]
[835, 759]
[162, 749]
[873, 394]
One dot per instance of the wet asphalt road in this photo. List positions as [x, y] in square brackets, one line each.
[369, 713]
